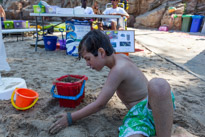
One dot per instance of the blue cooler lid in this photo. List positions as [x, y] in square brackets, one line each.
[197, 17]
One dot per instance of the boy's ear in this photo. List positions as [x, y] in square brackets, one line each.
[102, 52]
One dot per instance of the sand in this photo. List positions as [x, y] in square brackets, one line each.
[41, 68]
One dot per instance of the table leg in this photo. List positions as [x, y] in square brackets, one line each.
[22, 35]
[43, 24]
[36, 34]
[117, 23]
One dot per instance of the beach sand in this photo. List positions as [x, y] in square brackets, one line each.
[39, 70]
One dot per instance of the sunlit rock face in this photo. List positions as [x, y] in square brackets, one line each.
[144, 13]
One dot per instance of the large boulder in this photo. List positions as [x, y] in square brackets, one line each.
[191, 6]
[200, 8]
[150, 19]
[173, 20]
[131, 21]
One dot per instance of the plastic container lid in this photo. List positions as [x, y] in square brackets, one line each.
[197, 16]
[9, 85]
[38, 6]
[184, 16]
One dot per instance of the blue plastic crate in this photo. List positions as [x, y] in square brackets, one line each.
[196, 23]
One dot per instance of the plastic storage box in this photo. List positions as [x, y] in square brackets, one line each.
[186, 23]
[8, 24]
[18, 24]
[39, 9]
[26, 24]
[196, 23]
[51, 9]
[70, 94]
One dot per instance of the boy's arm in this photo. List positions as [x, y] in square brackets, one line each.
[108, 90]
[113, 81]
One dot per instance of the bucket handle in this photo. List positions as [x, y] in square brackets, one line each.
[68, 97]
[14, 105]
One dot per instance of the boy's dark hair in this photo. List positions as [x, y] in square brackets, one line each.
[94, 40]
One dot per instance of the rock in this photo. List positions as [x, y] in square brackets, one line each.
[14, 14]
[180, 132]
[190, 7]
[26, 12]
[173, 23]
[134, 7]
[147, 11]
[131, 21]
[173, 20]
[150, 19]
[155, 4]
[200, 8]
[15, 6]
[144, 6]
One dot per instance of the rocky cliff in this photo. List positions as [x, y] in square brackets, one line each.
[143, 13]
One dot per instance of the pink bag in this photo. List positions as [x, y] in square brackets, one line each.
[163, 28]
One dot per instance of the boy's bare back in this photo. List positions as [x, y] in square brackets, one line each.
[131, 83]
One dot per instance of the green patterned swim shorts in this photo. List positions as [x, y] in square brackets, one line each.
[139, 120]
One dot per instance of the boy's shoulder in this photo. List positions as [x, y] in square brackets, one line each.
[122, 62]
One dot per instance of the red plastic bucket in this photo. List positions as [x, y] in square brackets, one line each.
[25, 97]
[70, 90]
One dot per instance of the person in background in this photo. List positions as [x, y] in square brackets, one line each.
[2, 14]
[150, 103]
[97, 11]
[114, 10]
[96, 8]
[87, 10]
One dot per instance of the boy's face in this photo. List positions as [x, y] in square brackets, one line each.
[92, 61]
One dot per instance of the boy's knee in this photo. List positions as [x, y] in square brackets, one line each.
[159, 87]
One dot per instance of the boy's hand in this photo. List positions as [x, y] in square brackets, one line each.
[59, 124]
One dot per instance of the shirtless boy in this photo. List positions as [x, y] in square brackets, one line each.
[131, 86]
